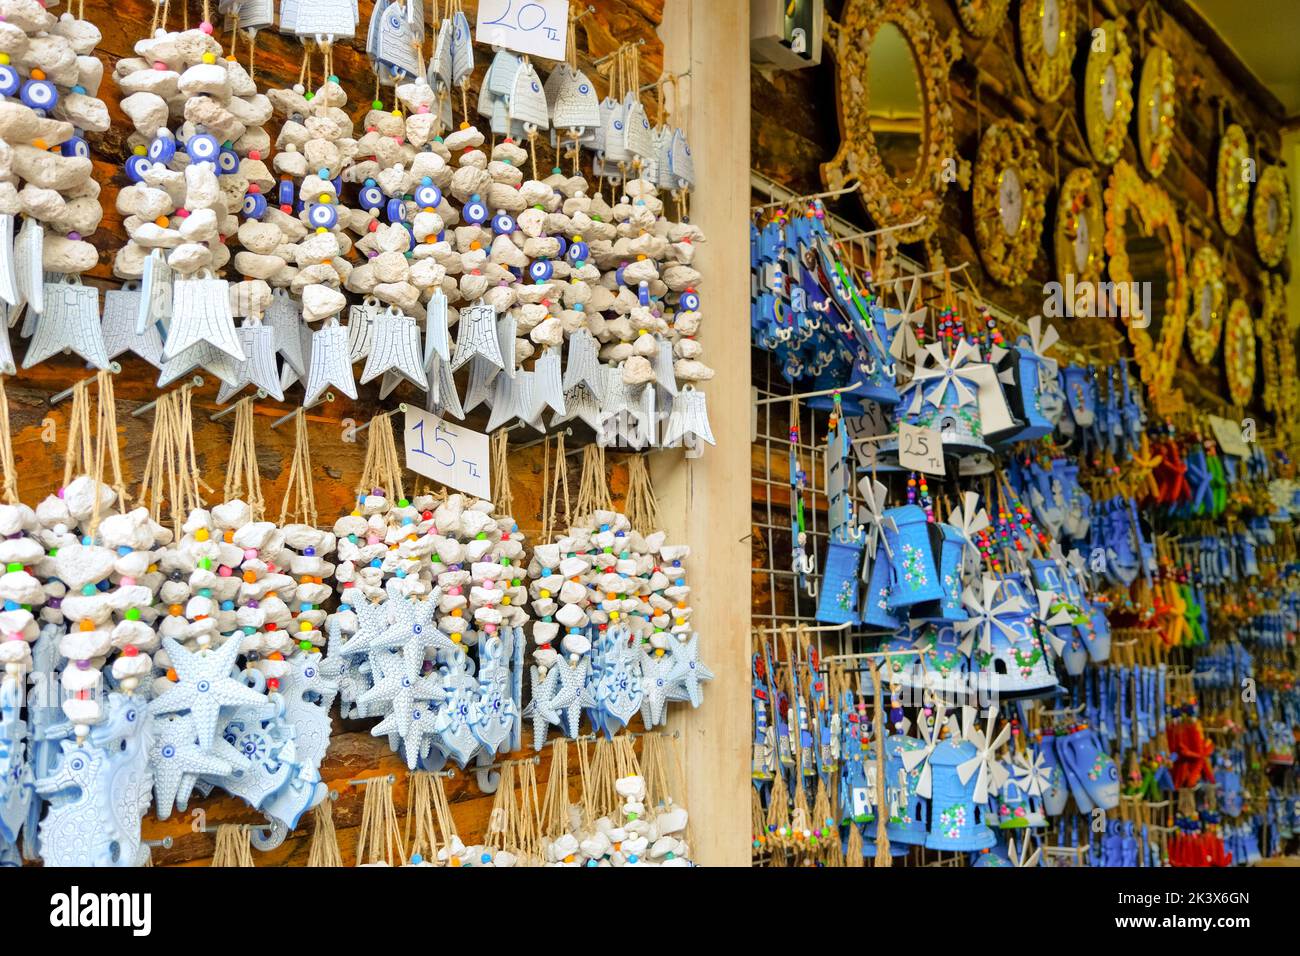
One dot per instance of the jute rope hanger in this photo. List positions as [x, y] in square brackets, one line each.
[300, 490]
[10, 486]
[243, 479]
[383, 467]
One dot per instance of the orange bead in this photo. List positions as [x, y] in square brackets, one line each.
[87, 625]
[171, 674]
[229, 536]
[250, 577]
[38, 74]
[174, 610]
[162, 222]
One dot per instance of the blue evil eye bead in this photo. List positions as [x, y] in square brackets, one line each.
[618, 274]
[372, 197]
[643, 293]
[475, 212]
[163, 148]
[39, 94]
[203, 148]
[395, 210]
[254, 205]
[503, 224]
[10, 81]
[75, 147]
[578, 253]
[428, 196]
[690, 302]
[564, 245]
[227, 162]
[323, 216]
[286, 192]
[541, 270]
[136, 167]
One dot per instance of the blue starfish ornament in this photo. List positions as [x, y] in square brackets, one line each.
[688, 671]
[658, 678]
[204, 686]
[176, 754]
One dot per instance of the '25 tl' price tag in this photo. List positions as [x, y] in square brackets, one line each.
[920, 449]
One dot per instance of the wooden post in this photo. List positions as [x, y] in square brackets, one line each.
[704, 502]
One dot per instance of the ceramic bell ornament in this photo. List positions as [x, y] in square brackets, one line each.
[49, 79]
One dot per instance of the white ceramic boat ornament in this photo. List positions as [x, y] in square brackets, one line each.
[573, 104]
[250, 15]
[526, 104]
[70, 322]
[391, 43]
[322, 20]
[258, 367]
[396, 348]
[201, 313]
[284, 315]
[476, 335]
[121, 309]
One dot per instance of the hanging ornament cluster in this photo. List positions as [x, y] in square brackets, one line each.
[49, 85]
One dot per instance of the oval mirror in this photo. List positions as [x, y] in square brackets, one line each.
[896, 112]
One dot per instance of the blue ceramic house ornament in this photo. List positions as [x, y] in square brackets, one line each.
[957, 819]
[914, 577]
[1012, 660]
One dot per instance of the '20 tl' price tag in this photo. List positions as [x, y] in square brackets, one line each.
[920, 449]
[537, 27]
[449, 454]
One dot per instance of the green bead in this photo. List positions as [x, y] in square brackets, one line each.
[377, 105]
[403, 503]
[14, 566]
[481, 536]
[133, 614]
[305, 645]
[205, 564]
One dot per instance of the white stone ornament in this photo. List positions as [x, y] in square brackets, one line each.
[285, 317]
[396, 347]
[476, 334]
[547, 387]
[121, 307]
[70, 321]
[583, 367]
[689, 420]
[258, 367]
[329, 363]
[201, 313]
[156, 291]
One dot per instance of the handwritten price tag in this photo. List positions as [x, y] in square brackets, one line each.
[920, 449]
[536, 27]
[873, 423]
[449, 454]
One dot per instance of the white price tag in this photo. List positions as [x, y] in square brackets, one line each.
[920, 449]
[536, 27]
[1230, 436]
[449, 454]
[872, 423]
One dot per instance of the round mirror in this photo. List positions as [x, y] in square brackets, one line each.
[1142, 297]
[1080, 229]
[896, 112]
[1051, 26]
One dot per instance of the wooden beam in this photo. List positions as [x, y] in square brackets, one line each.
[705, 501]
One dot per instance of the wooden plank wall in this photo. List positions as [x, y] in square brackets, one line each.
[39, 431]
[795, 131]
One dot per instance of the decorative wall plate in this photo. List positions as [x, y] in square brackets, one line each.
[1275, 327]
[1205, 324]
[1232, 179]
[1271, 213]
[1108, 92]
[1155, 121]
[1127, 195]
[1239, 352]
[1047, 45]
[1078, 241]
[982, 18]
[892, 202]
[1007, 196]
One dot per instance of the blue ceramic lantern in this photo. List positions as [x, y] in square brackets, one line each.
[957, 822]
[915, 578]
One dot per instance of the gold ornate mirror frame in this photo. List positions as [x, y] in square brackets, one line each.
[1108, 79]
[1127, 195]
[1079, 214]
[1048, 70]
[1009, 184]
[1239, 352]
[1272, 202]
[982, 18]
[889, 202]
[1156, 107]
[1232, 179]
[1207, 277]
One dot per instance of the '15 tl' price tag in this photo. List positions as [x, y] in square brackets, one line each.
[449, 454]
[920, 449]
[538, 27]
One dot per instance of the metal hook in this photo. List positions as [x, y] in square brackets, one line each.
[828, 194]
[217, 416]
[195, 382]
[802, 395]
[853, 237]
[537, 441]
[113, 367]
[672, 77]
[399, 410]
[327, 397]
[610, 56]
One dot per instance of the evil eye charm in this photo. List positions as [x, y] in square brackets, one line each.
[564, 245]
[618, 275]
[503, 224]
[689, 302]
[39, 95]
[475, 212]
[428, 196]
[254, 205]
[227, 162]
[323, 216]
[286, 192]
[136, 167]
[541, 270]
[578, 253]
[75, 147]
[203, 148]
[643, 293]
[372, 197]
[163, 148]
[395, 210]
[10, 81]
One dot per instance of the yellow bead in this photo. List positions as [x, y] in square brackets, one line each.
[505, 602]
[681, 621]
[4, 59]
[140, 150]
[209, 58]
[545, 593]
[305, 626]
[324, 197]
[613, 615]
[201, 534]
